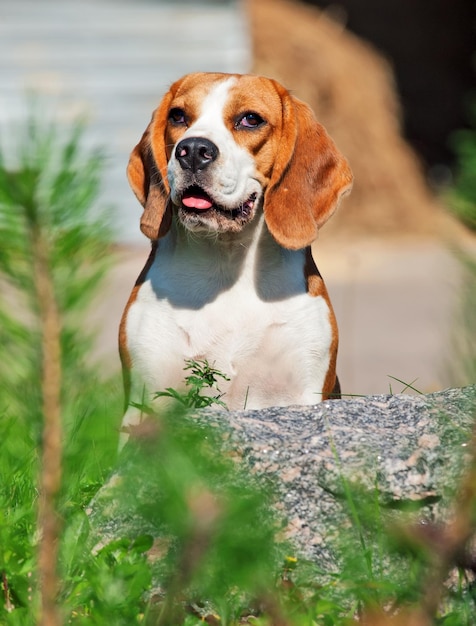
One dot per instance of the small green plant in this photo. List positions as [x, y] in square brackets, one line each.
[405, 387]
[203, 377]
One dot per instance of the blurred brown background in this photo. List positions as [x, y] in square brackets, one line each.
[430, 46]
[389, 81]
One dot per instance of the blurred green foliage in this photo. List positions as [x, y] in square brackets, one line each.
[47, 193]
[462, 197]
[462, 364]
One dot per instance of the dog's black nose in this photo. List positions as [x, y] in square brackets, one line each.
[195, 153]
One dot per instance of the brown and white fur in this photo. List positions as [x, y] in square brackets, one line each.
[236, 177]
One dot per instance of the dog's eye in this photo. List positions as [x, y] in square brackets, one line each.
[177, 116]
[250, 120]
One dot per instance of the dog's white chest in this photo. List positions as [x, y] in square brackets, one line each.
[262, 330]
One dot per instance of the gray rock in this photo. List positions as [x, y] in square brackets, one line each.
[410, 450]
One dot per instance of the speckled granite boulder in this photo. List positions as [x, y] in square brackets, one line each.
[409, 448]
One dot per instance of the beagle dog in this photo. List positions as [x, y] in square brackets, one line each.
[235, 177]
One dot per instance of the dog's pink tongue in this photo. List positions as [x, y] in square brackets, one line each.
[196, 200]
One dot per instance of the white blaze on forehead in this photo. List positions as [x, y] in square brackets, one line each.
[211, 119]
[231, 177]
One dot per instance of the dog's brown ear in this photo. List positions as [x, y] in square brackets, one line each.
[308, 180]
[147, 174]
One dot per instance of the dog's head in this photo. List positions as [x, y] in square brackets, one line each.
[220, 146]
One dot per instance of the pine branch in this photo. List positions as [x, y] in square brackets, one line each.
[53, 256]
[50, 478]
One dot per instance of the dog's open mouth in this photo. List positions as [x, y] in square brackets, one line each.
[196, 200]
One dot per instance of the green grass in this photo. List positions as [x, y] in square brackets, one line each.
[176, 530]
